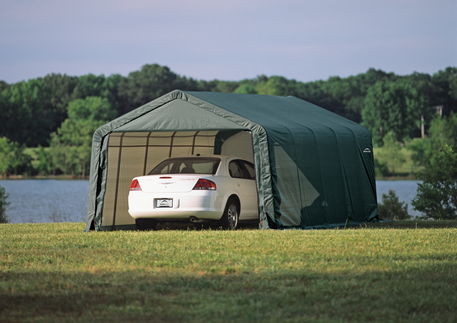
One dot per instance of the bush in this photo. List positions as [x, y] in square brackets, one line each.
[437, 195]
[3, 204]
[391, 208]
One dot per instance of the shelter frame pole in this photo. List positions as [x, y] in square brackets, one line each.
[146, 154]
[193, 142]
[117, 181]
[171, 143]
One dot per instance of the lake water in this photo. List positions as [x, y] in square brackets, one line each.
[46, 200]
[51, 200]
[406, 192]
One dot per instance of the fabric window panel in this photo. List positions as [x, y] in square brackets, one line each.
[204, 151]
[159, 141]
[115, 139]
[183, 141]
[135, 139]
[132, 164]
[181, 151]
[204, 140]
[111, 183]
[155, 156]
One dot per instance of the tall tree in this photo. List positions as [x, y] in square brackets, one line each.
[394, 106]
[391, 153]
[13, 160]
[71, 144]
[27, 112]
[147, 84]
[446, 82]
[101, 86]
[246, 89]
[422, 100]
[276, 85]
[62, 92]
[442, 131]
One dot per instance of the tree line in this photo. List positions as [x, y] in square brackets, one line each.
[58, 113]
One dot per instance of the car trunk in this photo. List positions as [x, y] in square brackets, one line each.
[167, 183]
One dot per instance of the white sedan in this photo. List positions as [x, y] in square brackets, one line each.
[196, 189]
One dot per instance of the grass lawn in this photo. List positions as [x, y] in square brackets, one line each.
[393, 272]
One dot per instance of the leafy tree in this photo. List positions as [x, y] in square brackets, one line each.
[245, 88]
[391, 208]
[381, 167]
[391, 152]
[344, 96]
[145, 85]
[422, 151]
[437, 195]
[30, 111]
[101, 86]
[443, 130]
[91, 108]
[13, 160]
[26, 112]
[313, 92]
[62, 92]
[421, 100]
[3, 204]
[393, 106]
[91, 85]
[111, 92]
[71, 144]
[446, 83]
[212, 86]
[44, 164]
[276, 85]
[3, 85]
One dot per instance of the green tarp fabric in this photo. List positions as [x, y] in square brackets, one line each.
[315, 169]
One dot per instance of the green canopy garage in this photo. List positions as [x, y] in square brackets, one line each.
[314, 169]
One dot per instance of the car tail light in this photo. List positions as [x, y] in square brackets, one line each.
[205, 184]
[135, 186]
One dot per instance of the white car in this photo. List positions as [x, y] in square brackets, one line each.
[196, 189]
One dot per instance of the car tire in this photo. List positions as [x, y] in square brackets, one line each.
[231, 215]
[145, 224]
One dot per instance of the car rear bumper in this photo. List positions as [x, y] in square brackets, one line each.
[200, 204]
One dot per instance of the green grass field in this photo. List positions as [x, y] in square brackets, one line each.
[392, 272]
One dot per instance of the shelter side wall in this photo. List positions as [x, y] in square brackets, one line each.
[322, 177]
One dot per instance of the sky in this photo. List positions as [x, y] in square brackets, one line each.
[305, 40]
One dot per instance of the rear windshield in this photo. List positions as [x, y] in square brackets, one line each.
[187, 166]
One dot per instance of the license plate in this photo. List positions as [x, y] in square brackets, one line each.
[164, 203]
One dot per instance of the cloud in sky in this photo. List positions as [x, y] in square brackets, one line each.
[227, 40]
